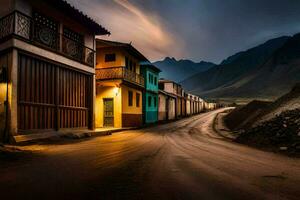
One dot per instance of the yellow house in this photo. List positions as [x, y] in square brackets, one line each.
[119, 85]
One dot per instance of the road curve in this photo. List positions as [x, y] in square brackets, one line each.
[185, 159]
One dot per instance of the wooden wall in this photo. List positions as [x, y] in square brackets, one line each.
[51, 97]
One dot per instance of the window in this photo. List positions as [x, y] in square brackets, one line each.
[73, 35]
[134, 67]
[126, 62]
[155, 80]
[110, 57]
[130, 98]
[149, 101]
[130, 65]
[149, 77]
[137, 99]
[155, 101]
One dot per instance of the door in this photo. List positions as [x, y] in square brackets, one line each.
[3, 100]
[108, 105]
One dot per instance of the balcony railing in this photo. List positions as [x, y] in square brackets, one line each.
[119, 73]
[20, 25]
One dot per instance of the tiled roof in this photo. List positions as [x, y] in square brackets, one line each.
[127, 46]
[79, 16]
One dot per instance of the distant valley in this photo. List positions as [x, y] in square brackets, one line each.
[265, 71]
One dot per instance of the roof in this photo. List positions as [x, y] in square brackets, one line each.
[126, 46]
[167, 94]
[70, 10]
[151, 66]
[162, 80]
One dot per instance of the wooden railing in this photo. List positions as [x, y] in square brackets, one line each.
[119, 73]
[21, 25]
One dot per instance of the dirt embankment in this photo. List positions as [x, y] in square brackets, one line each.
[281, 133]
[257, 112]
[243, 117]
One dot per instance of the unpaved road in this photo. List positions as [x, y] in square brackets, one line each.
[180, 160]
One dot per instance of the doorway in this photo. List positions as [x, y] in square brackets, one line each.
[3, 100]
[108, 107]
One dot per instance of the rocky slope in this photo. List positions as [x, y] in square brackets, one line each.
[281, 133]
[257, 112]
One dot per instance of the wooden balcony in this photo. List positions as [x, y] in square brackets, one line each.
[22, 26]
[114, 73]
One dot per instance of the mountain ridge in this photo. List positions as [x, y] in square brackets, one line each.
[230, 77]
[178, 70]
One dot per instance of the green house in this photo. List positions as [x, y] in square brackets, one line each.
[150, 96]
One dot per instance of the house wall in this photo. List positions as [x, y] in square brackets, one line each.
[152, 86]
[27, 6]
[168, 87]
[183, 107]
[162, 112]
[150, 112]
[100, 61]
[188, 107]
[108, 92]
[3, 94]
[120, 58]
[178, 107]
[8, 8]
[131, 115]
[171, 108]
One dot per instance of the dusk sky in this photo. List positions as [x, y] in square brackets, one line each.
[208, 30]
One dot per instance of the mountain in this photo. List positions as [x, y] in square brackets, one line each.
[179, 70]
[262, 71]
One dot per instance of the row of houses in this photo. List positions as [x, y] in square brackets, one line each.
[175, 103]
[55, 75]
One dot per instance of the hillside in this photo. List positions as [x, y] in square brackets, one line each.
[272, 79]
[241, 75]
[178, 70]
[279, 134]
[257, 112]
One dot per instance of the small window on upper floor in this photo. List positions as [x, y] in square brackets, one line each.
[110, 57]
[130, 98]
[137, 99]
[149, 101]
[155, 101]
[155, 80]
[130, 65]
[73, 36]
[126, 62]
[134, 67]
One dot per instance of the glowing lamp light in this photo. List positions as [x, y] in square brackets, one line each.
[116, 90]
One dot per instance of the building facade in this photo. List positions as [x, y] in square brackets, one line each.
[176, 90]
[150, 96]
[48, 57]
[119, 85]
[166, 106]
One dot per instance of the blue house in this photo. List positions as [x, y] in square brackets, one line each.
[150, 96]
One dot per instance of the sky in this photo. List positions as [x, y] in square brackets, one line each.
[209, 30]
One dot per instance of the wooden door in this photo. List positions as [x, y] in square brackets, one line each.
[108, 105]
[3, 97]
[51, 96]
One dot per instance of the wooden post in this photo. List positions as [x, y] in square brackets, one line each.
[57, 127]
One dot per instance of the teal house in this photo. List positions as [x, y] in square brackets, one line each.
[150, 96]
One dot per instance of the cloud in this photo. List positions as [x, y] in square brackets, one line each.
[129, 23]
[194, 29]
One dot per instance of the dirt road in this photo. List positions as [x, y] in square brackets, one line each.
[181, 160]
